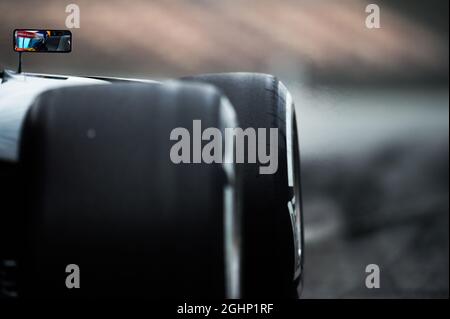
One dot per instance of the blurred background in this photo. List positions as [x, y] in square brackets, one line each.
[373, 107]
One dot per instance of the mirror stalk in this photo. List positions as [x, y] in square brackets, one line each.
[19, 69]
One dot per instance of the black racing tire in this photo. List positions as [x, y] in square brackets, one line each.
[103, 193]
[272, 218]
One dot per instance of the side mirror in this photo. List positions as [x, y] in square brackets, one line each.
[26, 40]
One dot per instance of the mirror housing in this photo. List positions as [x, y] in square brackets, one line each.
[48, 41]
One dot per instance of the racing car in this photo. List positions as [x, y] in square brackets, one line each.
[88, 182]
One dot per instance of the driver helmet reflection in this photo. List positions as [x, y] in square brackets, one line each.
[32, 40]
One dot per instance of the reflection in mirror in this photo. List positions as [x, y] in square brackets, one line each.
[42, 40]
